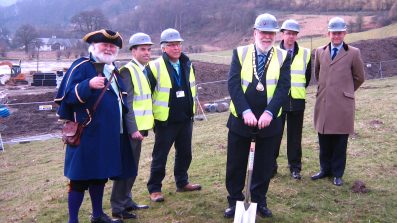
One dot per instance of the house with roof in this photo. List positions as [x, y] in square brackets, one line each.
[54, 43]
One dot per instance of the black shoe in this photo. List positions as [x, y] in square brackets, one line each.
[296, 175]
[105, 219]
[264, 212]
[338, 181]
[229, 212]
[124, 215]
[136, 207]
[319, 175]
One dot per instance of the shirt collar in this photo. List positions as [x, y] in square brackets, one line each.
[337, 47]
[142, 67]
[259, 51]
[175, 64]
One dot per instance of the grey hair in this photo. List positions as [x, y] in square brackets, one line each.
[163, 45]
[91, 48]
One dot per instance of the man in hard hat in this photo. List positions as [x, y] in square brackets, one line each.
[103, 141]
[339, 71]
[294, 107]
[173, 84]
[258, 83]
[139, 120]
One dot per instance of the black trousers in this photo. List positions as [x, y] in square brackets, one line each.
[165, 136]
[333, 153]
[236, 167]
[294, 121]
[83, 185]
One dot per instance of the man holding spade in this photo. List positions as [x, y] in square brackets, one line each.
[259, 82]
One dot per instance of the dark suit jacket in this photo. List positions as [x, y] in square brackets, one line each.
[256, 101]
[297, 104]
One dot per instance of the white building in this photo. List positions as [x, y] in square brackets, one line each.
[54, 43]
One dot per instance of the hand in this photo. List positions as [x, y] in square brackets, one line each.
[264, 120]
[137, 136]
[97, 82]
[250, 119]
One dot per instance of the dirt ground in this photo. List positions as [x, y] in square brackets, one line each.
[28, 120]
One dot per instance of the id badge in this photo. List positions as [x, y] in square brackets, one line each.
[180, 94]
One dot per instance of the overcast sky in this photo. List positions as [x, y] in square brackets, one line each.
[7, 2]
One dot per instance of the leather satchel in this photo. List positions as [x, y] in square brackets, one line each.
[72, 131]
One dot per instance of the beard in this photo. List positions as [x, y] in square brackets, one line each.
[101, 56]
[264, 48]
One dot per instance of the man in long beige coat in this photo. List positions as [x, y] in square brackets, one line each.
[339, 71]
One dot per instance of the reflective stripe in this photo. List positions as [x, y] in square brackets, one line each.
[298, 84]
[193, 83]
[158, 87]
[297, 72]
[136, 72]
[280, 57]
[273, 82]
[244, 54]
[142, 97]
[244, 83]
[161, 103]
[163, 89]
[157, 65]
[143, 112]
[305, 52]
[269, 99]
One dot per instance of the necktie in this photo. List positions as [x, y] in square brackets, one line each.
[261, 64]
[334, 53]
[290, 53]
[145, 72]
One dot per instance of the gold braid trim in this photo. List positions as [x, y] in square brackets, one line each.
[103, 31]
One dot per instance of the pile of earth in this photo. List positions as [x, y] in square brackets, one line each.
[211, 81]
[28, 120]
[373, 51]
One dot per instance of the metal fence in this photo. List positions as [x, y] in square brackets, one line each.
[380, 69]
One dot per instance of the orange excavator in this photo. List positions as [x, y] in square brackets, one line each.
[16, 77]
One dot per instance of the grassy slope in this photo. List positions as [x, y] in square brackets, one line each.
[33, 188]
[224, 57]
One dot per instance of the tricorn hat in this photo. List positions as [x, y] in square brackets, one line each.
[104, 36]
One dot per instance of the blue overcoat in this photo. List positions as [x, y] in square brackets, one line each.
[102, 148]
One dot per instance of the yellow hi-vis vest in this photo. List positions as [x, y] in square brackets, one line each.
[272, 74]
[142, 102]
[161, 94]
[298, 73]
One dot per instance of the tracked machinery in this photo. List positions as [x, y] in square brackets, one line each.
[15, 77]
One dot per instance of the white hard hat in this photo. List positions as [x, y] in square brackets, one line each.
[266, 22]
[337, 24]
[140, 39]
[170, 35]
[290, 24]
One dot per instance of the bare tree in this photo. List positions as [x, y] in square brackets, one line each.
[392, 15]
[359, 22]
[24, 36]
[88, 21]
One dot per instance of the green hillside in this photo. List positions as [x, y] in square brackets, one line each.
[224, 57]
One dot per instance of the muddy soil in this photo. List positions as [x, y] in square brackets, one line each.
[28, 120]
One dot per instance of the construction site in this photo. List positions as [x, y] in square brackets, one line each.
[29, 94]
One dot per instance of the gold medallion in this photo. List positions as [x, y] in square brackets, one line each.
[260, 87]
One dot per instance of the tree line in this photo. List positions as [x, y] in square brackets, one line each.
[191, 17]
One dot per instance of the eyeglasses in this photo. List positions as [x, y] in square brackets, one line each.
[172, 45]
